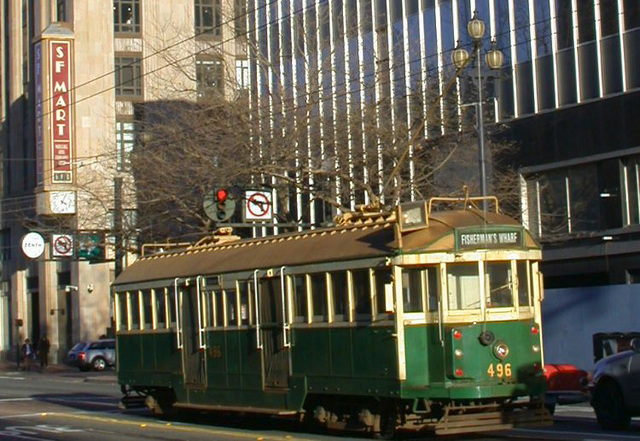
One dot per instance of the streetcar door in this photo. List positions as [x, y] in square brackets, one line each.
[193, 352]
[274, 333]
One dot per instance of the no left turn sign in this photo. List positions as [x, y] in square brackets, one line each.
[62, 245]
[258, 205]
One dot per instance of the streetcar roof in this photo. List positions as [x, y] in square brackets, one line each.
[343, 243]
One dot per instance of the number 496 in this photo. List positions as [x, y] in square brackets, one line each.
[499, 370]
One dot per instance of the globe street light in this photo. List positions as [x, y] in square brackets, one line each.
[494, 59]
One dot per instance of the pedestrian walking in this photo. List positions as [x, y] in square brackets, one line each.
[27, 354]
[43, 351]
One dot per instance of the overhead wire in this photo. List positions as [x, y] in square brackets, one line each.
[249, 31]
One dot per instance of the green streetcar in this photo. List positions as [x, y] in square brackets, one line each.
[419, 319]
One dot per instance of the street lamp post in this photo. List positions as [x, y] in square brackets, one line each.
[493, 58]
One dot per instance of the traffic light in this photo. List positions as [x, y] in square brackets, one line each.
[220, 205]
[225, 205]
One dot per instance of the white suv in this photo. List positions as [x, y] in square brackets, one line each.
[615, 388]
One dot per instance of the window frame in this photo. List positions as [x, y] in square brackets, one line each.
[146, 310]
[408, 270]
[249, 311]
[318, 318]
[131, 313]
[200, 10]
[346, 316]
[292, 288]
[204, 66]
[124, 144]
[135, 25]
[133, 61]
[381, 297]
[368, 316]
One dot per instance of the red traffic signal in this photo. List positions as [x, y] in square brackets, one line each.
[221, 195]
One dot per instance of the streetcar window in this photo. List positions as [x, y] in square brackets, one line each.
[245, 306]
[300, 311]
[232, 307]
[161, 310]
[172, 308]
[463, 287]
[122, 310]
[498, 284]
[319, 296]
[524, 284]
[134, 309]
[361, 283]
[207, 308]
[412, 290]
[432, 288]
[340, 296]
[219, 309]
[146, 309]
[383, 278]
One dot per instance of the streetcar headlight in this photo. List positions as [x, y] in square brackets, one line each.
[458, 353]
[535, 348]
[501, 350]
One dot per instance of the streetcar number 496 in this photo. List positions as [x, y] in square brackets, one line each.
[499, 370]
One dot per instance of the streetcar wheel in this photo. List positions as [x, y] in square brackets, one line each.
[608, 404]
[388, 423]
[98, 364]
[551, 407]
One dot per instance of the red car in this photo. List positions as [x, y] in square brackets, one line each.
[566, 384]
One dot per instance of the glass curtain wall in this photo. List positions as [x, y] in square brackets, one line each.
[357, 76]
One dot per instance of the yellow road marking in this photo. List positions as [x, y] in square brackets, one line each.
[181, 428]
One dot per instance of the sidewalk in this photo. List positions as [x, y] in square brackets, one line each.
[9, 366]
[108, 375]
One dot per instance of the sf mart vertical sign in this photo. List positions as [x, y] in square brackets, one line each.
[54, 111]
[61, 111]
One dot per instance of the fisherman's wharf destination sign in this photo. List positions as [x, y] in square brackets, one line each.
[489, 237]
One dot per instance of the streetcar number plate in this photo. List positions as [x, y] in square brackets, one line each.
[499, 370]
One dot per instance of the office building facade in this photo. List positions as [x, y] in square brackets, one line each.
[568, 93]
[72, 75]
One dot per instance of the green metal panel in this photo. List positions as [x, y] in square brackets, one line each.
[148, 359]
[232, 350]
[340, 346]
[417, 356]
[424, 356]
[310, 351]
[374, 351]
[476, 362]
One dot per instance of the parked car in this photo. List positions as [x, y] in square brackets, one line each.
[566, 384]
[614, 392]
[96, 355]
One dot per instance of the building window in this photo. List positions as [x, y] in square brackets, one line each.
[631, 14]
[209, 77]
[240, 14]
[5, 245]
[125, 140]
[242, 74]
[61, 10]
[208, 17]
[126, 16]
[128, 77]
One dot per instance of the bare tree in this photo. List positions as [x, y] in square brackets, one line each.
[317, 147]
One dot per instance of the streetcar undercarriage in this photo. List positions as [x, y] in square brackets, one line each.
[381, 417]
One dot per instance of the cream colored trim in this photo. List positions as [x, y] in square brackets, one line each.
[399, 323]
[467, 256]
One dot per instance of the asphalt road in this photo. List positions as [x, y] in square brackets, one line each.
[66, 404]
